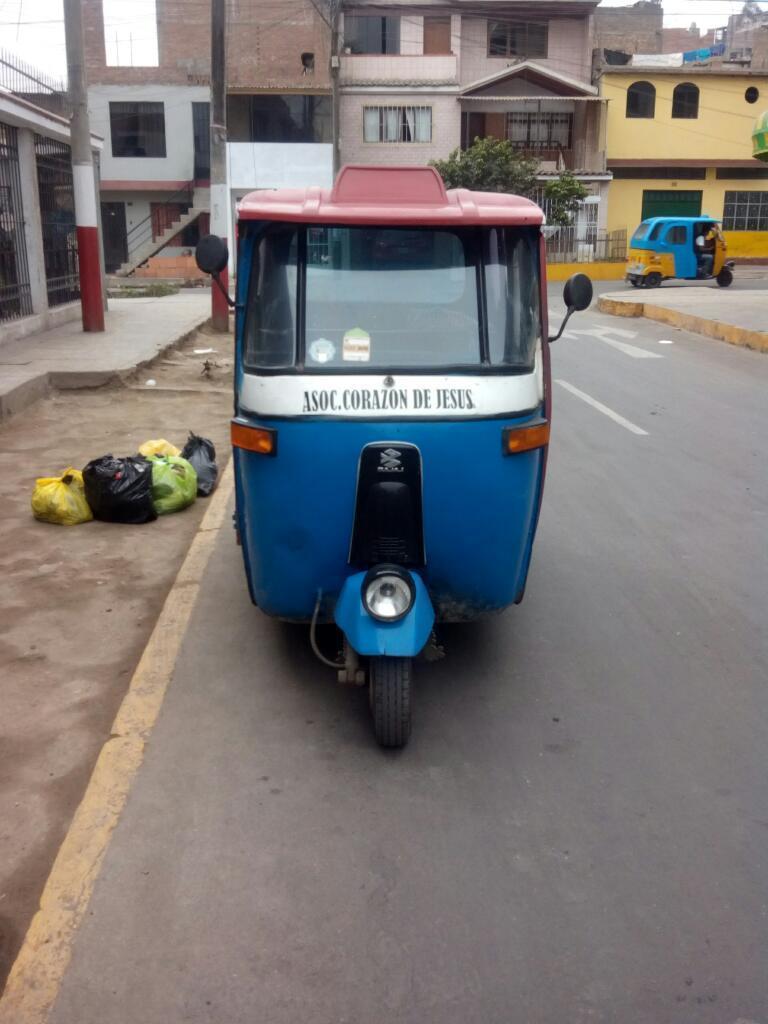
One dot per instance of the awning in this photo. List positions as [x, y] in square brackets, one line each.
[533, 99]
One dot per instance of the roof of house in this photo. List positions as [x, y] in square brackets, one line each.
[533, 71]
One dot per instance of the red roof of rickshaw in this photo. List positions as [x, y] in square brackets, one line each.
[389, 195]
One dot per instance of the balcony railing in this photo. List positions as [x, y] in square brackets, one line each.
[401, 68]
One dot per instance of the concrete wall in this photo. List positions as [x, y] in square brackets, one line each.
[446, 129]
[178, 164]
[279, 165]
[569, 49]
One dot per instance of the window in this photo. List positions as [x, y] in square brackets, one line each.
[655, 232]
[677, 235]
[137, 129]
[365, 33]
[743, 173]
[641, 232]
[437, 35]
[745, 211]
[685, 100]
[544, 131]
[670, 173]
[517, 39]
[270, 330]
[397, 124]
[641, 100]
[376, 297]
[512, 294]
[269, 118]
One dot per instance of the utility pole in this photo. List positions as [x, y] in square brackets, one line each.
[91, 296]
[219, 189]
[335, 6]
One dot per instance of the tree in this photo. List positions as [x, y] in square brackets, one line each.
[489, 165]
[562, 197]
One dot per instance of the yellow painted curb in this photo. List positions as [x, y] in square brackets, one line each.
[37, 973]
[599, 270]
[718, 329]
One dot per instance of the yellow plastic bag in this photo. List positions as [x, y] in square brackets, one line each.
[158, 446]
[61, 499]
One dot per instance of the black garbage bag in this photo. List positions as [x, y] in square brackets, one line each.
[119, 490]
[202, 454]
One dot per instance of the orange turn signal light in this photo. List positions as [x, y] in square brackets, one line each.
[525, 438]
[254, 439]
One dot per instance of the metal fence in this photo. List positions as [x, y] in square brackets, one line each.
[579, 244]
[26, 82]
[15, 296]
[57, 212]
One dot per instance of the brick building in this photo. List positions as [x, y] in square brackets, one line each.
[155, 120]
[634, 29]
[419, 79]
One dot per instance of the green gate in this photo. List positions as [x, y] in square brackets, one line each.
[671, 203]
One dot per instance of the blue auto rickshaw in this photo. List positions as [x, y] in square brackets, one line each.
[687, 248]
[392, 412]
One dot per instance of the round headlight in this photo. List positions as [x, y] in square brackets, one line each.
[387, 595]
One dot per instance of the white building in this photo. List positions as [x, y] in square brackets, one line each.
[39, 275]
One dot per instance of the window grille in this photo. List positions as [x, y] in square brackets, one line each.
[530, 130]
[745, 211]
[15, 297]
[57, 213]
[397, 124]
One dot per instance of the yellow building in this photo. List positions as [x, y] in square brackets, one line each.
[679, 143]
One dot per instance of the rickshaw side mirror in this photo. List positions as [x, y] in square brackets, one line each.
[577, 295]
[211, 254]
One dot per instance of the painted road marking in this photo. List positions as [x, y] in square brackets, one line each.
[616, 417]
[600, 333]
[37, 974]
[665, 341]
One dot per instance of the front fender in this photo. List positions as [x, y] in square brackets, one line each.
[369, 636]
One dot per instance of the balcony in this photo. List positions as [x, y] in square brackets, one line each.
[399, 69]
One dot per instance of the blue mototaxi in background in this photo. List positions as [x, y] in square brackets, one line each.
[392, 409]
[683, 248]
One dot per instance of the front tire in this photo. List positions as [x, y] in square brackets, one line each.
[725, 277]
[390, 694]
[653, 280]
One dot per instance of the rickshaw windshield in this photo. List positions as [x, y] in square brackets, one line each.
[358, 298]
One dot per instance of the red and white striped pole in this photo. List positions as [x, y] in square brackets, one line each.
[91, 298]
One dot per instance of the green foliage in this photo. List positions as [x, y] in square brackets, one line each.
[489, 165]
[563, 196]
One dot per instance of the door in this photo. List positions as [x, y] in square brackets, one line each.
[201, 132]
[671, 203]
[115, 236]
[437, 35]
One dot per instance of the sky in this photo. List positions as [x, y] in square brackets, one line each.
[34, 29]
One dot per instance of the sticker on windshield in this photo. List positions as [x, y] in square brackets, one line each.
[321, 350]
[356, 346]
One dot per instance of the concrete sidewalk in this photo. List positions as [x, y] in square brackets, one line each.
[738, 317]
[138, 330]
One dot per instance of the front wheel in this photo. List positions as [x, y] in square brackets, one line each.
[725, 277]
[390, 693]
[653, 280]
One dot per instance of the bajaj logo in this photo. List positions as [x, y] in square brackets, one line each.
[389, 461]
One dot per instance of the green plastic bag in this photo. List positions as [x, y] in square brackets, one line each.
[174, 483]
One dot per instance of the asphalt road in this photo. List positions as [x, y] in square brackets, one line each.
[578, 831]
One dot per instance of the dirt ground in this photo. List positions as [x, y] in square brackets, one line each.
[77, 604]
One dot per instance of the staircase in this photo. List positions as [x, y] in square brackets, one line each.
[142, 244]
